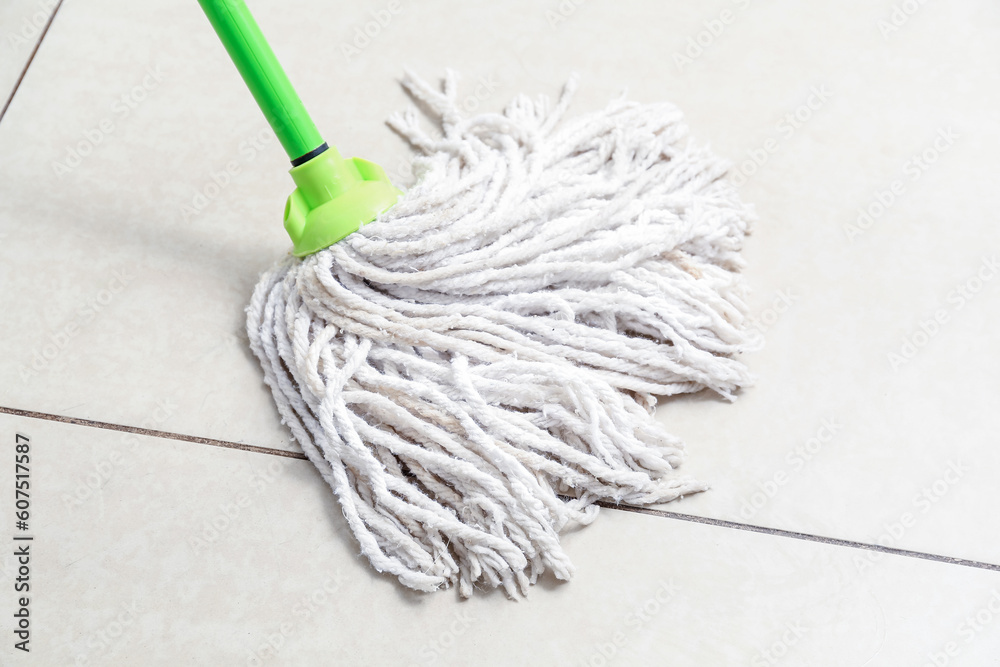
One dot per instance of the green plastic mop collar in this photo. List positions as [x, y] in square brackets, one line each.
[334, 196]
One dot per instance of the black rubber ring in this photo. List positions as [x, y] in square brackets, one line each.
[310, 155]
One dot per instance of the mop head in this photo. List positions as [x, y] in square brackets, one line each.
[477, 368]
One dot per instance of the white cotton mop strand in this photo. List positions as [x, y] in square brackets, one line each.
[474, 370]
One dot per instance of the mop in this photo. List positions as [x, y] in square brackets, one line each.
[474, 364]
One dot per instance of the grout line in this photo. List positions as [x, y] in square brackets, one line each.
[833, 541]
[718, 523]
[24, 71]
[150, 432]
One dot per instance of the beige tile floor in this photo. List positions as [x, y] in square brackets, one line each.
[188, 554]
[122, 309]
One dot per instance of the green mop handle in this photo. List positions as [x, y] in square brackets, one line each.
[263, 75]
[333, 196]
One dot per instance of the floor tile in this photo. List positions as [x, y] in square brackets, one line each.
[21, 26]
[876, 292]
[161, 552]
[126, 308]
[901, 128]
[155, 194]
